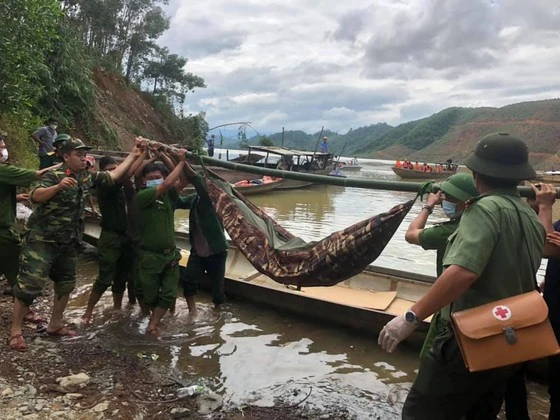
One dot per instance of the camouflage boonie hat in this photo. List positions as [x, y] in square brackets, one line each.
[74, 144]
[501, 156]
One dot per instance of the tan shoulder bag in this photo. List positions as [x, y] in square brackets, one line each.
[507, 331]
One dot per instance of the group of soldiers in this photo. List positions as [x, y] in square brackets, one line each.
[489, 250]
[137, 199]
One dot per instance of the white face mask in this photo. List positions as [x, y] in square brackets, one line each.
[4, 155]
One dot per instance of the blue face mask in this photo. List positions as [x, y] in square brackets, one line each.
[450, 209]
[154, 182]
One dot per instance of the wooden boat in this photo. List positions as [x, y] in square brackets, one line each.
[351, 165]
[248, 189]
[365, 302]
[413, 174]
[294, 160]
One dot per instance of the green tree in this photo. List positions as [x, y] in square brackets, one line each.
[265, 141]
[27, 33]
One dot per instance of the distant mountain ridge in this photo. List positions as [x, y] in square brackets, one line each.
[450, 133]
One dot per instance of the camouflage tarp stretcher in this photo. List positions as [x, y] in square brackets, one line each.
[287, 259]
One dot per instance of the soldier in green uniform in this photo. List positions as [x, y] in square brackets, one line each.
[457, 189]
[117, 248]
[54, 157]
[208, 243]
[49, 249]
[10, 244]
[494, 254]
[158, 256]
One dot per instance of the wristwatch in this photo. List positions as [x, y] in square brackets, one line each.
[428, 207]
[411, 318]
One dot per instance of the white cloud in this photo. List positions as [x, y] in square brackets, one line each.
[302, 64]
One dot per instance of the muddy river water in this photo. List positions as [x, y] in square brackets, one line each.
[252, 354]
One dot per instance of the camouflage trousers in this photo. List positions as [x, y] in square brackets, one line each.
[159, 278]
[117, 263]
[9, 261]
[40, 260]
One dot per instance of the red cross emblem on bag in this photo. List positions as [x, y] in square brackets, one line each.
[501, 312]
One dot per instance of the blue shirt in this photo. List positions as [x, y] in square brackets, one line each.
[324, 147]
[47, 135]
[210, 143]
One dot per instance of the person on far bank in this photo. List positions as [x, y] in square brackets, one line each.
[54, 229]
[452, 195]
[117, 249]
[12, 177]
[211, 143]
[324, 145]
[208, 252]
[44, 136]
[493, 255]
[158, 255]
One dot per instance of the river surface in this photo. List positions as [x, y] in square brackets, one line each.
[252, 354]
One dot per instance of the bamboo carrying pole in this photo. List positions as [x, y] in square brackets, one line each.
[378, 184]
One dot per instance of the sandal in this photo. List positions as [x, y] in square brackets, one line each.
[31, 316]
[19, 344]
[63, 332]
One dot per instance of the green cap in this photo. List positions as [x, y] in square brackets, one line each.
[60, 138]
[74, 144]
[459, 186]
[501, 156]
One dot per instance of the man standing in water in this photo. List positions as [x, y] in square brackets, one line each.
[208, 253]
[10, 243]
[493, 255]
[117, 248]
[159, 257]
[45, 136]
[54, 228]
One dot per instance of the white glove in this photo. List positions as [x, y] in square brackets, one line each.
[394, 332]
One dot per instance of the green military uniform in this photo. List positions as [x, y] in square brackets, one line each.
[208, 243]
[116, 250]
[10, 243]
[158, 256]
[436, 237]
[49, 249]
[50, 159]
[489, 242]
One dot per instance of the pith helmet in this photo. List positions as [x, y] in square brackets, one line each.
[460, 186]
[60, 138]
[501, 156]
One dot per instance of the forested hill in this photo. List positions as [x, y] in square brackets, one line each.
[451, 133]
[95, 66]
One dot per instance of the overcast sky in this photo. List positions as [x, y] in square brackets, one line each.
[302, 64]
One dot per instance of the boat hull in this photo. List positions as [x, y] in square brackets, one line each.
[350, 168]
[412, 174]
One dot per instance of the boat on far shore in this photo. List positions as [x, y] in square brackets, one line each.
[351, 165]
[438, 170]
